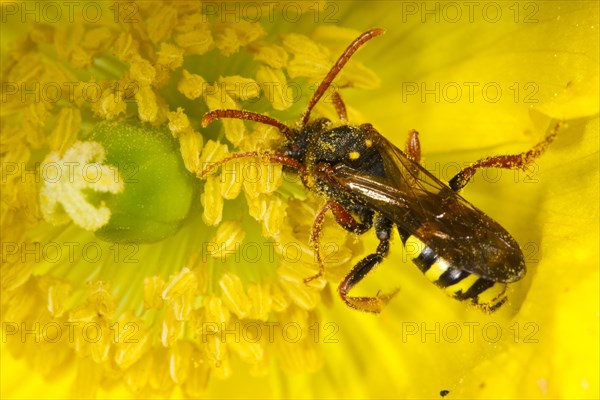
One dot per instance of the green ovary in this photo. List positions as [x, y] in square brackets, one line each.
[158, 190]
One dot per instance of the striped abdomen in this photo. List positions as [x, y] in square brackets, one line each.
[458, 283]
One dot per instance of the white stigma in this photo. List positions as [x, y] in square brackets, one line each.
[62, 196]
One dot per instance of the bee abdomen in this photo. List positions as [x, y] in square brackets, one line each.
[458, 283]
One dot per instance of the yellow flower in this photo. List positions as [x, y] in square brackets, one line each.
[117, 290]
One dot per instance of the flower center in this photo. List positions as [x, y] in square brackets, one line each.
[127, 184]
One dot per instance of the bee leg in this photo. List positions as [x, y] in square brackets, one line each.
[342, 217]
[513, 161]
[339, 105]
[383, 228]
[413, 146]
[413, 151]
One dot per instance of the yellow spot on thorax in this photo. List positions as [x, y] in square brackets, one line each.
[354, 155]
[369, 143]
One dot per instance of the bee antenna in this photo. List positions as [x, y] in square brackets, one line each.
[337, 67]
[210, 116]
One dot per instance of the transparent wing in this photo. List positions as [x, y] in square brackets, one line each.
[421, 205]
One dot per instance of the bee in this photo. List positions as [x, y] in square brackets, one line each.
[368, 183]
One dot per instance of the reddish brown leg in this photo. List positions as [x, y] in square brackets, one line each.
[413, 151]
[339, 105]
[513, 161]
[383, 228]
[273, 157]
[342, 217]
[337, 67]
[210, 116]
[413, 146]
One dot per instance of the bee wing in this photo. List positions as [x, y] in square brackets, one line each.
[421, 205]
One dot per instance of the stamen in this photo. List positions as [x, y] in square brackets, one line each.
[275, 87]
[190, 141]
[228, 239]
[180, 292]
[234, 296]
[260, 301]
[273, 55]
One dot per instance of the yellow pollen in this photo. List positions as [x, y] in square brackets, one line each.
[260, 301]
[228, 240]
[67, 127]
[236, 35]
[193, 34]
[310, 59]
[232, 181]
[212, 201]
[215, 311]
[191, 85]
[190, 141]
[147, 104]
[216, 97]
[274, 56]
[234, 296]
[170, 56]
[275, 87]
[274, 218]
[128, 352]
[180, 292]
[239, 87]
[58, 294]
[110, 105]
[142, 71]
[178, 122]
[65, 179]
[154, 319]
[153, 287]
